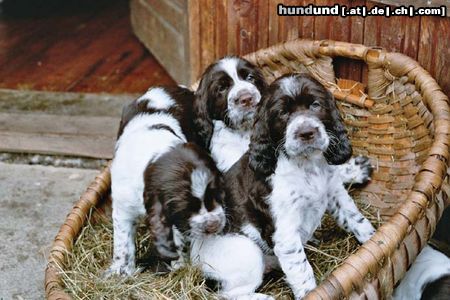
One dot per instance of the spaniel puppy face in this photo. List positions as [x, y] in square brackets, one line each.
[299, 117]
[184, 188]
[207, 215]
[229, 91]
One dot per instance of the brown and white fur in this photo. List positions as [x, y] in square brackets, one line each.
[156, 172]
[280, 189]
[225, 105]
[183, 191]
[151, 126]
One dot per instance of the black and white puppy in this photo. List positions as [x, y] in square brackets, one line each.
[225, 105]
[151, 126]
[280, 189]
[428, 277]
[184, 191]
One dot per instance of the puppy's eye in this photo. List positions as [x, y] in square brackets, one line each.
[222, 88]
[315, 106]
[250, 77]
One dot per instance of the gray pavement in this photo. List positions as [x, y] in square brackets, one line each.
[34, 201]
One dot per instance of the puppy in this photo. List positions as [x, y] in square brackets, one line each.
[280, 189]
[225, 104]
[430, 269]
[155, 171]
[184, 190]
[151, 126]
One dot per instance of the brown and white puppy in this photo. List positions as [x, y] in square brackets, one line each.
[225, 104]
[280, 189]
[183, 191]
[151, 125]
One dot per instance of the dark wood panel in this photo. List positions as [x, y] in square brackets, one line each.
[434, 49]
[90, 50]
[245, 26]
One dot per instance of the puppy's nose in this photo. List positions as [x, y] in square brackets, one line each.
[245, 100]
[212, 226]
[306, 133]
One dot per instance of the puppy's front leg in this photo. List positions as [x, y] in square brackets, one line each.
[162, 232]
[124, 249]
[343, 209]
[291, 255]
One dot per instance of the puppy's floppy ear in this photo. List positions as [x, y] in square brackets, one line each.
[262, 156]
[202, 119]
[340, 148]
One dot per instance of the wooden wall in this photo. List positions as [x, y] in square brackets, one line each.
[225, 27]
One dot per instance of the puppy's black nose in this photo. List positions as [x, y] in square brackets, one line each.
[306, 133]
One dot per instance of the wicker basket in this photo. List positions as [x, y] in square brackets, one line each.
[402, 124]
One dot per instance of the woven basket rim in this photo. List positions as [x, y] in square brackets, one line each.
[342, 280]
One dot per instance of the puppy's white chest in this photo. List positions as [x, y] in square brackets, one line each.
[228, 145]
[300, 193]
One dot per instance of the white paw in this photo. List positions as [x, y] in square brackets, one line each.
[365, 232]
[120, 270]
[251, 296]
[305, 288]
[177, 264]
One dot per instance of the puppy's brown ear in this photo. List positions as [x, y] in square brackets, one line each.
[262, 156]
[340, 149]
[202, 119]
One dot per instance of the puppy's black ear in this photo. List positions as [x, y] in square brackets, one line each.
[262, 156]
[340, 149]
[202, 119]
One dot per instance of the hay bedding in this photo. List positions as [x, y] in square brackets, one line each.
[92, 253]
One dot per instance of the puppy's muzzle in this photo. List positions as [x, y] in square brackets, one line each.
[212, 226]
[307, 133]
[246, 100]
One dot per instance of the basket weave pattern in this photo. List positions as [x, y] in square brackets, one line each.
[402, 124]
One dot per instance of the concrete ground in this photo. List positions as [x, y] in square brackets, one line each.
[34, 201]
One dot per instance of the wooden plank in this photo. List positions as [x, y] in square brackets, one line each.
[66, 73]
[194, 40]
[138, 78]
[273, 22]
[306, 24]
[57, 50]
[417, 3]
[262, 38]
[171, 11]
[86, 146]
[247, 12]
[55, 124]
[434, 49]
[166, 43]
[288, 26]
[398, 34]
[233, 28]
[114, 67]
[64, 104]
[207, 33]
[221, 25]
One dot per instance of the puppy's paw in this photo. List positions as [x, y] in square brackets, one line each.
[177, 264]
[119, 270]
[357, 170]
